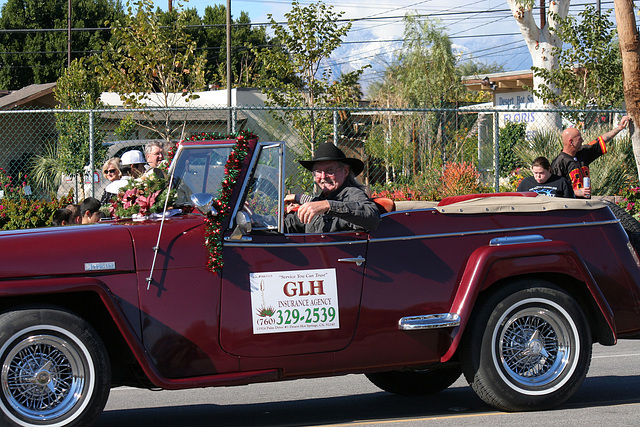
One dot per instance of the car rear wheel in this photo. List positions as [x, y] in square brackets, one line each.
[527, 348]
[416, 382]
[55, 370]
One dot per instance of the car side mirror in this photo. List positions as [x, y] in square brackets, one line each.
[243, 226]
[203, 202]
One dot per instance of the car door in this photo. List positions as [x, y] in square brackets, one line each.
[286, 294]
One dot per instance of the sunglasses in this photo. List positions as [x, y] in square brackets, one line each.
[110, 171]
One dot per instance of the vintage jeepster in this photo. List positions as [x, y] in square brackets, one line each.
[509, 290]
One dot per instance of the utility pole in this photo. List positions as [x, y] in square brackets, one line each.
[69, 33]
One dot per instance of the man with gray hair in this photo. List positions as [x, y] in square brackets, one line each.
[341, 205]
[154, 152]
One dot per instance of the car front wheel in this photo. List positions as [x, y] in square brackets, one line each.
[55, 370]
[527, 348]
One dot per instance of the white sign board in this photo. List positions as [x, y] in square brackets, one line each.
[299, 300]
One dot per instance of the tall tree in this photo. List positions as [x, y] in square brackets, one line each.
[589, 72]
[41, 57]
[245, 38]
[296, 73]
[423, 75]
[76, 89]
[541, 40]
[428, 65]
[630, 50]
[151, 64]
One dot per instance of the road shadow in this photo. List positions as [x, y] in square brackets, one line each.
[369, 407]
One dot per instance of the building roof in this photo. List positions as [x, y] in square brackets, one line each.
[192, 116]
[509, 81]
[36, 95]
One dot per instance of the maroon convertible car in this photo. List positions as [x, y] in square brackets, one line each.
[510, 291]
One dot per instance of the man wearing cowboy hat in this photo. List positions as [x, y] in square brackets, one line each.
[342, 204]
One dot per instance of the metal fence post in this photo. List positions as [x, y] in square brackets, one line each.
[91, 155]
[234, 117]
[496, 152]
[335, 127]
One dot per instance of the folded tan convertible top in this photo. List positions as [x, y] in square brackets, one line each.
[504, 204]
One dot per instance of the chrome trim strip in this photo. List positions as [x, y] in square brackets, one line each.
[496, 230]
[429, 321]
[517, 240]
[288, 245]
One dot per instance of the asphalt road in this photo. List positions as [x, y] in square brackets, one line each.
[610, 395]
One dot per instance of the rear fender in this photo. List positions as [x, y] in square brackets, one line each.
[489, 264]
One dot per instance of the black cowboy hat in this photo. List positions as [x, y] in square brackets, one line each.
[329, 152]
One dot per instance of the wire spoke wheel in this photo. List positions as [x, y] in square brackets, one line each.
[43, 378]
[54, 370]
[527, 347]
[534, 347]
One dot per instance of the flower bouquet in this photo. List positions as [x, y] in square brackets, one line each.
[143, 196]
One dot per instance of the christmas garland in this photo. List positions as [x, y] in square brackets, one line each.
[232, 169]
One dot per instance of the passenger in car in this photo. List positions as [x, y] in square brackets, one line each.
[544, 182]
[61, 217]
[342, 203]
[132, 163]
[154, 152]
[75, 213]
[90, 210]
[111, 172]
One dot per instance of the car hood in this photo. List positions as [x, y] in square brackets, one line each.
[66, 250]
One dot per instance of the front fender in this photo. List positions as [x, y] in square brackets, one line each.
[488, 264]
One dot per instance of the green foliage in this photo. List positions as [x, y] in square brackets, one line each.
[511, 136]
[126, 127]
[76, 88]
[426, 65]
[150, 62]
[142, 196]
[11, 187]
[456, 179]
[614, 170]
[542, 143]
[17, 214]
[589, 72]
[423, 75]
[294, 76]
[41, 57]
[245, 38]
[631, 200]
[46, 172]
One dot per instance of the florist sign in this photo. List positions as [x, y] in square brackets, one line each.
[288, 301]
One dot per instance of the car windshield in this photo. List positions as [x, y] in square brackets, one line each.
[200, 170]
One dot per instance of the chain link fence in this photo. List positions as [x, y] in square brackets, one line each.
[398, 146]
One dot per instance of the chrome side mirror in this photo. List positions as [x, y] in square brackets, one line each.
[203, 202]
[243, 226]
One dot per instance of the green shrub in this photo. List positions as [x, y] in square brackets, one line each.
[631, 200]
[16, 214]
[456, 179]
[512, 135]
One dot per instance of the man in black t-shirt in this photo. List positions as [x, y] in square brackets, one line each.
[544, 182]
[573, 162]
